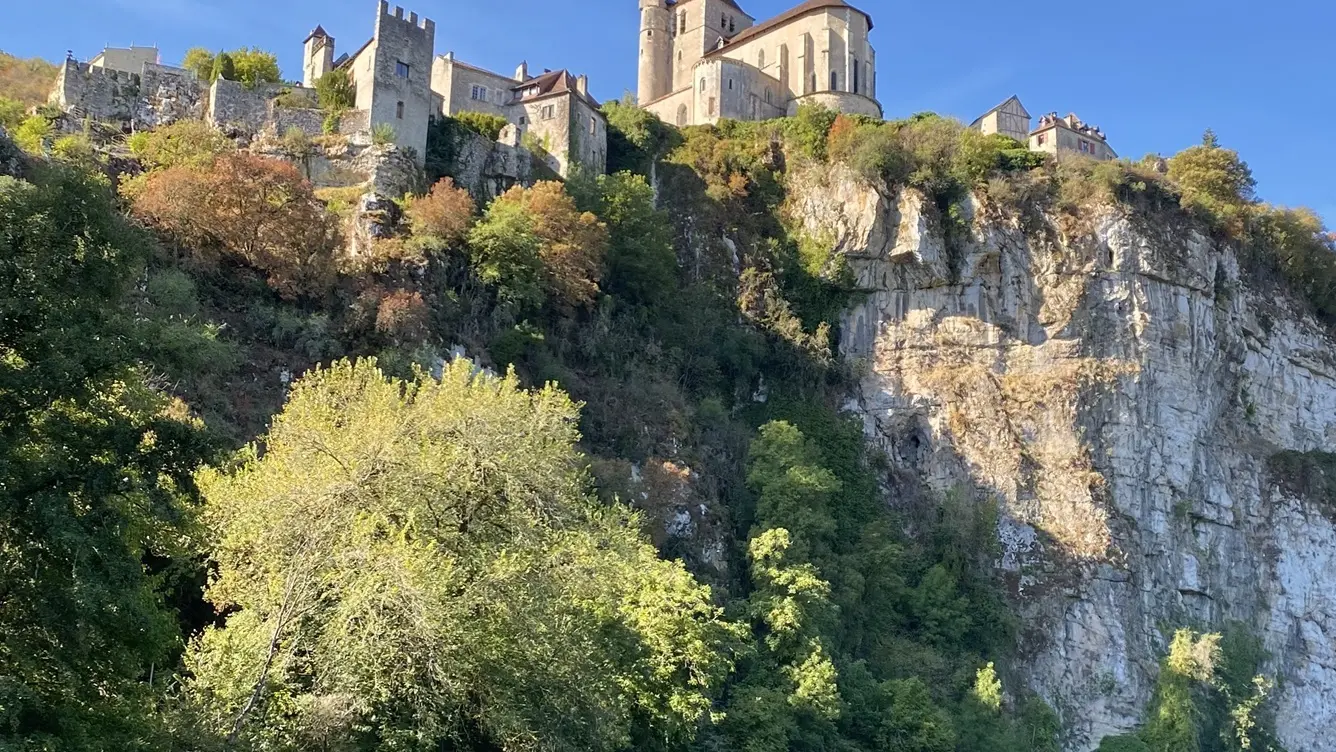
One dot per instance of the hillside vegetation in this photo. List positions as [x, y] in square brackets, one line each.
[250, 500]
[26, 81]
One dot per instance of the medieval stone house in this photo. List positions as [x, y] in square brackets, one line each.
[553, 113]
[1054, 135]
[703, 60]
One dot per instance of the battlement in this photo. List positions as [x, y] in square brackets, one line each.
[112, 76]
[413, 20]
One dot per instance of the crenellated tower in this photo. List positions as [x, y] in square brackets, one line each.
[656, 51]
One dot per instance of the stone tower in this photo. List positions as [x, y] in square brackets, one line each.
[319, 57]
[656, 51]
[392, 75]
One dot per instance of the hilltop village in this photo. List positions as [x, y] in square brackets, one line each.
[700, 61]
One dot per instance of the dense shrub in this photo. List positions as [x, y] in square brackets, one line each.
[185, 143]
[12, 113]
[1215, 181]
[34, 134]
[335, 90]
[246, 208]
[444, 214]
[571, 244]
[636, 137]
[487, 125]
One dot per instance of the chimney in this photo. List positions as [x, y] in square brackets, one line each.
[582, 84]
[522, 72]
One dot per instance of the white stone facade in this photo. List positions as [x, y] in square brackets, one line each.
[717, 62]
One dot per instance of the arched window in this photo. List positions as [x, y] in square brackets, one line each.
[702, 84]
[682, 114]
[682, 22]
[760, 60]
[834, 80]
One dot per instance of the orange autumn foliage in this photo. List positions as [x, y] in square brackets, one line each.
[572, 243]
[446, 213]
[257, 211]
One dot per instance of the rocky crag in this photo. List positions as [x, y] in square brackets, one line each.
[1121, 390]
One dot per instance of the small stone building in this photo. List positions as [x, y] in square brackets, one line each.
[702, 60]
[553, 113]
[1009, 118]
[1068, 136]
[130, 59]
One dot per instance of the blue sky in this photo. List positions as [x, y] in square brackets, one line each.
[1152, 73]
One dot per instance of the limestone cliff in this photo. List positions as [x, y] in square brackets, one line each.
[1114, 383]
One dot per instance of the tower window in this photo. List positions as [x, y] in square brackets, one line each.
[834, 81]
[855, 67]
[702, 84]
[401, 69]
[399, 110]
[730, 84]
[760, 60]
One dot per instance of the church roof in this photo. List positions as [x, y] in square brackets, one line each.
[811, 6]
[318, 33]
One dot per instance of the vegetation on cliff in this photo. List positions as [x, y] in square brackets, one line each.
[405, 550]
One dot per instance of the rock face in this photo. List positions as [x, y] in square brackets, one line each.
[1117, 388]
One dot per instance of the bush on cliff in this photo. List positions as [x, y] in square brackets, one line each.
[246, 209]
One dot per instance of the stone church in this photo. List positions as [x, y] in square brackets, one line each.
[703, 60]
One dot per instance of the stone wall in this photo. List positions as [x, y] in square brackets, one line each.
[840, 101]
[169, 94]
[234, 107]
[99, 93]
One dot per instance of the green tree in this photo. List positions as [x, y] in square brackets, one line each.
[636, 137]
[1175, 714]
[642, 264]
[336, 91]
[255, 66]
[224, 67]
[95, 476]
[199, 61]
[412, 562]
[1215, 180]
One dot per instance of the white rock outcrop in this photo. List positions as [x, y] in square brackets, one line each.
[1119, 390]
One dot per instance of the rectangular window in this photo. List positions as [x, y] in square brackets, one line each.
[399, 110]
[479, 93]
[712, 107]
[1043, 137]
[549, 112]
[401, 69]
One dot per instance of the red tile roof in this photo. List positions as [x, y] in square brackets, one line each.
[553, 82]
